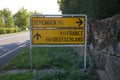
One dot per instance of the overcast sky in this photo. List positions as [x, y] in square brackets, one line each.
[44, 6]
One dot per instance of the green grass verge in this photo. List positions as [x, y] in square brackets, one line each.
[22, 76]
[58, 75]
[64, 60]
[47, 58]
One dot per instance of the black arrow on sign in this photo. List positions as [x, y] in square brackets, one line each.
[37, 36]
[80, 22]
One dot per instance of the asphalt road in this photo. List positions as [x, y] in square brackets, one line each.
[12, 44]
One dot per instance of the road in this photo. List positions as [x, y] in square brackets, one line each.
[11, 44]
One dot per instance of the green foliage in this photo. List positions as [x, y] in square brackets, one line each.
[50, 64]
[21, 76]
[54, 75]
[1, 23]
[35, 12]
[63, 58]
[56, 57]
[7, 18]
[22, 18]
[93, 8]
[48, 58]
[62, 75]
[9, 30]
[1, 20]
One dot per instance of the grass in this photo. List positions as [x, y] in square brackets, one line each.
[20, 61]
[49, 63]
[22, 76]
[57, 75]
[47, 58]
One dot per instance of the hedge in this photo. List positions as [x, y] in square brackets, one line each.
[9, 30]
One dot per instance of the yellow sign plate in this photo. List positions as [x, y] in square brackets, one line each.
[56, 37]
[58, 22]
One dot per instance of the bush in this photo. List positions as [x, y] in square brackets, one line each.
[9, 30]
[2, 31]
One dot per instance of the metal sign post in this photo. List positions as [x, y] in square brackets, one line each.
[67, 30]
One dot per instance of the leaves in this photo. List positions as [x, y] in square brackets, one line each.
[92, 8]
[6, 19]
[22, 18]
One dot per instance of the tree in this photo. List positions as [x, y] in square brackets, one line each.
[93, 8]
[1, 20]
[22, 18]
[35, 12]
[7, 18]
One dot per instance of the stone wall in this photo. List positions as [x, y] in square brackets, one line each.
[104, 45]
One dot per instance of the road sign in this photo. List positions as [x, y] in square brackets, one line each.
[58, 30]
[58, 22]
[55, 37]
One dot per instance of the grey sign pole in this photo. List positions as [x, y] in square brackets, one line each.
[85, 50]
[31, 44]
[31, 58]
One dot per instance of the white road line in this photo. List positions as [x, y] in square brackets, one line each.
[12, 50]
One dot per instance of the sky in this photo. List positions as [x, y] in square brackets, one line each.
[44, 6]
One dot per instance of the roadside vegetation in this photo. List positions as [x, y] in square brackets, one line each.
[48, 64]
[12, 23]
[94, 9]
[9, 30]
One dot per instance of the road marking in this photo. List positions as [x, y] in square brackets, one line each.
[13, 50]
